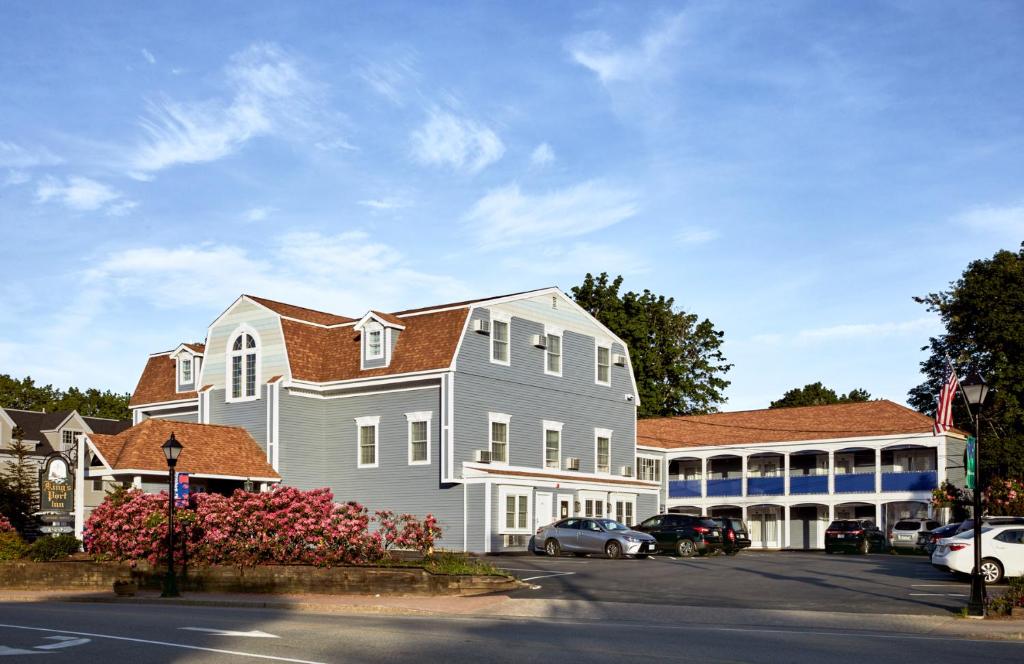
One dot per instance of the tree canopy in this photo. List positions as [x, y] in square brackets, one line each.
[816, 394]
[983, 316]
[677, 358]
[24, 394]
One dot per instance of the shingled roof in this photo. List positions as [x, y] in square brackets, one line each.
[775, 425]
[301, 313]
[158, 383]
[207, 449]
[33, 422]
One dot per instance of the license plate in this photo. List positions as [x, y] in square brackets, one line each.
[906, 537]
[840, 536]
[714, 533]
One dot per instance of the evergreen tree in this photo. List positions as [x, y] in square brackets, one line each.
[19, 484]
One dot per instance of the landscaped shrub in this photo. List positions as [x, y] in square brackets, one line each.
[1013, 597]
[5, 525]
[132, 525]
[46, 549]
[407, 531]
[1004, 497]
[12, 546]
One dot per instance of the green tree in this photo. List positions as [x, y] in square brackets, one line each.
[816, 394]
[677, 358]
[983, 316]
[26, 395]
[19, 483]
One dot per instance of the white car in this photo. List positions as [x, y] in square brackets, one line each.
[1002, 551]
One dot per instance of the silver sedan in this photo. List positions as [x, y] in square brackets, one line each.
[582, 536]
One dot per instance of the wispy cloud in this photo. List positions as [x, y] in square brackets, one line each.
[13, 155]
[573, 261]
[507, 216]
[1007, 220]
[383, 204]
[650, 58]
[695, 235]
[542, 155]
[83, 194]
[258, 213]
[270, 95]
[462, 143]
[15, 177]
[392, 80]
[148, 56]
[853, 331]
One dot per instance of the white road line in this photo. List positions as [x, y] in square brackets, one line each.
[937, 595]
[162, 643]
[227, 632]
[63, 642]
[935, 585]
[544, 576]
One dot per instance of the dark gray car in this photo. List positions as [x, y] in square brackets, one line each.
[581, 536]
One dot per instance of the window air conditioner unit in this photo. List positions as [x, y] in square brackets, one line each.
[539, 340]
[572, 463]
[626, 471]
[482, 456]
[482, 326]
[619, 359]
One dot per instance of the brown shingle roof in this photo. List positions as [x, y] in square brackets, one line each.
[320, 354]
[567, 478]
[301, 313]
[464, 302]
[848, 420]
[158, 383]
[388, 318]
[198, 348]
[208, 449]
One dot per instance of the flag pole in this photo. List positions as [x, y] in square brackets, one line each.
[967, 405]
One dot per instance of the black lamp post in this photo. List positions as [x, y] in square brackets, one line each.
[172, 448]
[976, 391]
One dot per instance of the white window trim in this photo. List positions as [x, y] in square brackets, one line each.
[519, 492]
[501, 418]
[367, 329]
[550, 425]
[182, 359]
[603, 433]
[422, 416]
[554, 332]
[623, 498]
[501, 317]
[229, 353]
[660, 467]
[597, 365]
[368, 421]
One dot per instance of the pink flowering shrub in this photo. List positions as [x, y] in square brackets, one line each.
[284, 526]
[1004, 497]
[5, 525]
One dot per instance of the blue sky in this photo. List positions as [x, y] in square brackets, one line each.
[795, 171]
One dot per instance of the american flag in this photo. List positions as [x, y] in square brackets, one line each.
[944, 409]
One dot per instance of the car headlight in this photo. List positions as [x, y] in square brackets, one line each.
[631, 539]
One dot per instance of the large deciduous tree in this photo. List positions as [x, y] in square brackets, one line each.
[983, 313]
[816, 394]
[677, 358]
[26, 395]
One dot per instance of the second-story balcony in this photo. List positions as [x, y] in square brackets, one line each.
[808, 484]
[766, 486]
[684, 488]
[855, 482]
[729, 486]
[914, 480]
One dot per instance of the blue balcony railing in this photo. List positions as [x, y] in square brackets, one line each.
[684, 488]
[725, 487]
[855, 483]
[766, 486]
[808, 484]
[916, 480]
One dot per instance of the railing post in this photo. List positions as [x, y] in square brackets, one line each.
[785, 482]
[743, 476]
[831, 473]
[703, 477]
[878, 471]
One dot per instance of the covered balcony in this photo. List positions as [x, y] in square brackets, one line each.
[765, 474]
[684, 478]
[855, 470]
[725, 476]
[808, 472]
[909, 468]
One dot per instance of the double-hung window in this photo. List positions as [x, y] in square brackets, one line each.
[648, 469]
[243, 367]
[498, 425]
[499, 341]
[602, 450]
[374, 343]
[553, 354]
[515, 506]
[68, 440]
[603, 371]
[186, 370]
[366, 440]
[553, 445]
[419, 438]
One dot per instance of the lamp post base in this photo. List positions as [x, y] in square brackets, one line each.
[170, 588]
[976, 606]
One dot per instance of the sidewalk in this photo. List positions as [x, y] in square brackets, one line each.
[554, 610]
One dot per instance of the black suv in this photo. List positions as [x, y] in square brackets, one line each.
[683, 534]
[735, 535]
[860, 535]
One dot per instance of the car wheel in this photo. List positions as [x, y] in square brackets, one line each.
[991, 570]
[864, 547]
[641, 556]
[686, 548]
[552, 548]
[613, 550]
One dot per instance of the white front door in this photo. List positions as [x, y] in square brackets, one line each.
[542, 514]
[564, 506]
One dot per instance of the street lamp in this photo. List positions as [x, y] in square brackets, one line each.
[172, 449]
[976, 391]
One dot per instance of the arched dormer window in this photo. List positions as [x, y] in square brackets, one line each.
[243, 367]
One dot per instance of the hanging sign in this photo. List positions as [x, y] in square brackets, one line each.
[972, 471]
[56, 492]
[181, 490]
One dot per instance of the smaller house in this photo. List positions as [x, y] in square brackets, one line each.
[44, 433]
[218, 459]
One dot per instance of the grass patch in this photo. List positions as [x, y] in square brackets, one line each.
[447, 562]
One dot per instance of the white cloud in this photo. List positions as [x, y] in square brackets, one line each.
[1008, 220]
[84, 194]
[391, 80]
[270, 96]
[15, 177]
[258, 213]
[13, 155]
[385, 203]
[854, 331]
[506, 216]
[542, 155]
[460, 142]
[554, 263]
[148, 56]
[694, 235]
[652, 57]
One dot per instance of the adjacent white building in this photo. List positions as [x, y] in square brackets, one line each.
[790, 471]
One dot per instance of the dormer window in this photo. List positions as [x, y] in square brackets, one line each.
[374, 343]
[243, 367]
[378, 337]
[185, 363]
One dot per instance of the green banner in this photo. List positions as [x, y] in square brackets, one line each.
[972, 471]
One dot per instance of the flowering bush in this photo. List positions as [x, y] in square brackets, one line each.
[284, 526]
[5, 525]
[1004, 497]
[947, 495]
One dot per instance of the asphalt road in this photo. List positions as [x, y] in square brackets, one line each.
[87, 633]
[875, 583]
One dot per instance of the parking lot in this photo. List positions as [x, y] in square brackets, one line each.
[812, 581]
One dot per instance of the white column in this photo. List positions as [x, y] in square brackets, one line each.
[785, 480]
[785, 524]
[703, 477]
[878, 471]
[743, 481]
[137, 481]
[831, 473]
[878, 514]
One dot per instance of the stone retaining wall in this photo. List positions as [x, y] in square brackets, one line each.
[86, 575]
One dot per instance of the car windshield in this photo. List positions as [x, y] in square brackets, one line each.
[845, 525]
[611, 526]
[735, 524]
[907, 525]
[709, 523]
